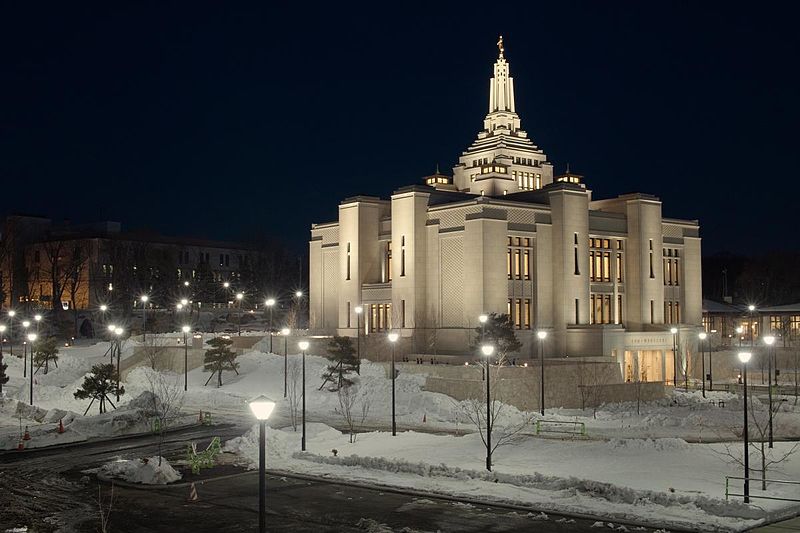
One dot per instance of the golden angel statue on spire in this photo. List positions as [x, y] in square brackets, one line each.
[500, 46]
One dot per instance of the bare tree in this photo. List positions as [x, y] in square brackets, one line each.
[590, 384]
[167, 397]
[104, 507]
[294, 393]
[153, 348]
[353, 408]
[758, 437]
[76, 277]
[503, 429]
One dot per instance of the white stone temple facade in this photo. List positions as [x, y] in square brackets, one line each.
[605, 277]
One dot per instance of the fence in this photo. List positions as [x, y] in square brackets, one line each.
[729, 493]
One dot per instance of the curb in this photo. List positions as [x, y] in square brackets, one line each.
[408, 492]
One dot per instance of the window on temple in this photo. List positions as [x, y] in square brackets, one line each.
[388, 262]
[403, 255]
[348, 262]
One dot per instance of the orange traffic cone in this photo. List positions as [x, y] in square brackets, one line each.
[20, 445]
[61, 425]
[27, 435]
[192, 493]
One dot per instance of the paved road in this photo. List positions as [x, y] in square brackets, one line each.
[47, 490]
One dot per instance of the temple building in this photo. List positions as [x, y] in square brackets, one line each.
[604, 277]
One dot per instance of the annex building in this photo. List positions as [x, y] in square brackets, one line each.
[605, 277]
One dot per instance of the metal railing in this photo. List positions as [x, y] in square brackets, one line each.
[562, 427]
[748, 480]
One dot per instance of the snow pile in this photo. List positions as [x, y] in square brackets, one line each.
[648, 444]
[145, 471]
[280, 444]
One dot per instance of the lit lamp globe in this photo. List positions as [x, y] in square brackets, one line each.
[185, 283]
[303, 345]
[483, 318]
[104, 308]
[262, 407]
[393, 337]
[285, 332]
[112, 328]
[37, 318]
[184, 302]
[119, 331]
[239, 296]
[186, 329]
[703, 336]
[744, 357]
[673, 330]
[26, 323]
[541, 334]
[270, 302]
[144, 298]
[12, 313]
[739, 330]
[769, 340]
[227, 284]
[32, 337]
[2, 329]
[487, 350]
[179, 307]
[359, 309]
[299, 294]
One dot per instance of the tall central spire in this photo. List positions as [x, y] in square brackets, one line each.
[502, 113]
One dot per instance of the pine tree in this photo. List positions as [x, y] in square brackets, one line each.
[499, 332]
[342, 354]
[220, 358]
[99, 385]
[45, 351]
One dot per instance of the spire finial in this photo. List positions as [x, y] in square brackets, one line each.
[567, 167]
[500, 46]
[437, 168]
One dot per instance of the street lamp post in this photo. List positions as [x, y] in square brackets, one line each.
[144, 298]
[2, 340]
[37, 318]
[239, 298]
[303, 347]
[488, 350]
[750, 310]
[703, 336]
[769, 340]
[270, 303]
[32, 338]
[25, 325]
[393, 340]
[542, 336]
[744, 357]
[118, 332]
[674, 332]
[11, 314]
[285, 332]
[185, 357]
[482, 319]
[739, 331]
[262, 407]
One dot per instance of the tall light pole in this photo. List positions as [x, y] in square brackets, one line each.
[32, 338]
[739, 331]
[11, 314]
[482, 320]
[270, 303]
[674, 332]
[144, 298]
[261, 408]
[542, 335]
[488, 350]
[393, 341]
[769, 340]
[37, 318]
[118, 332]
[25, 325]
[751, 309]
[285, 332]
[239, 298]
[744, 357]
[703, 336]
[303, 345]
[185, 330]
[103, 309]
[298, 295]
[2, 340]
[359, 311]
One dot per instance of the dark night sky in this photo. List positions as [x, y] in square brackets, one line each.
[227, 121]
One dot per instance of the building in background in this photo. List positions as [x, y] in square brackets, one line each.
[605, 277]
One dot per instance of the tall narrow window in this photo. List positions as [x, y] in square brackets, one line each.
[518, 313]
[675, 273]
[527, 264]
[577, 314]
[388, 261]
[348, 261]
[652, 311]
[619, 309]
[619, 268]
[652, 275]
[606, 266]
[527, 313]
[508, 263]
[348, 314]
[509, 310]
[403, 255]
[402, 313]
[677, 312]
[517, 266]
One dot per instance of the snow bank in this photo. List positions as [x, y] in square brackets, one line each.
[145, 471]
[648, 444]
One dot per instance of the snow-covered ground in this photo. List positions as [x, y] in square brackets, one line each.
[631, 465]
[145, 471]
